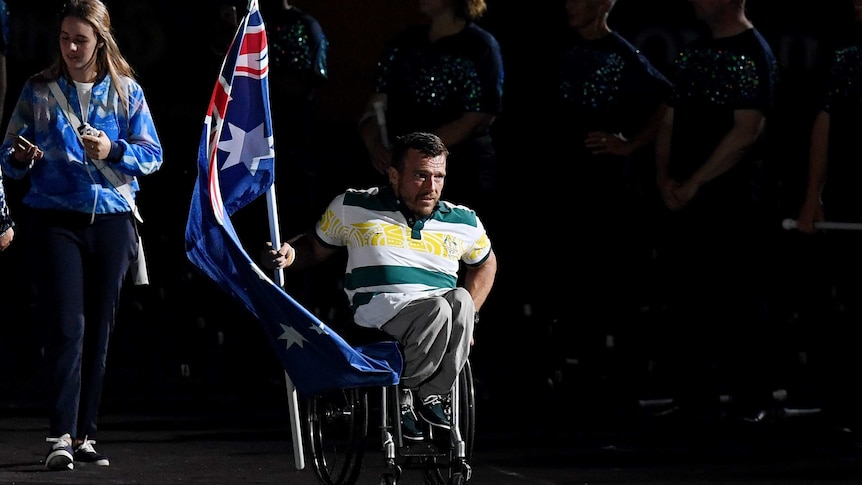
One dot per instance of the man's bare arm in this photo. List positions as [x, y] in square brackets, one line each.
[478, 280]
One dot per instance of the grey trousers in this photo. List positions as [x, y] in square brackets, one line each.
[435, 335]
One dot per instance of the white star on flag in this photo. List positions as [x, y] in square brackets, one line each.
[248, 152]
[291, 336]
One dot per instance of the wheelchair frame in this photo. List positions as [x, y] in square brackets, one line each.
[337, 428]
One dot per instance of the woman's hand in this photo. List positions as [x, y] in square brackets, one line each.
[97, 146]
[6, 238]
[25, 151]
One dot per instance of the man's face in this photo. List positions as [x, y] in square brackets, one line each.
[420, 183]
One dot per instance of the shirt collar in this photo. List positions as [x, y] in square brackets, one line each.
[415, 223]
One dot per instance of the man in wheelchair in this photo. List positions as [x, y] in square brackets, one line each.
[405, 249]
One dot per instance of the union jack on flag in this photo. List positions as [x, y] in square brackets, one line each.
[235, 166]
[246, 149]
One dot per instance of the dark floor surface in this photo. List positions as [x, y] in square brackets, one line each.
[252, 444]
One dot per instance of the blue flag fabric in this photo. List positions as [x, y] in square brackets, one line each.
[235, 166]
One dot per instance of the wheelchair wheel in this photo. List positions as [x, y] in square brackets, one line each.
[468, 409]
[437, 473]
[337, 427]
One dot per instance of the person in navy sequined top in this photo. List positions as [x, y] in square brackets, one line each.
[298, 62]
[609, 104]
[830, 279]
[724, 87]
[709, 162]
[611, 96]
[445, 77]
[835, 140]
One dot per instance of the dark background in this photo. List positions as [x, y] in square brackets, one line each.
[181, 343]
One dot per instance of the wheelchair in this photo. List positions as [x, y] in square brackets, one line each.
[338, 428]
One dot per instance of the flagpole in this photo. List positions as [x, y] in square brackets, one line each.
[292, 399]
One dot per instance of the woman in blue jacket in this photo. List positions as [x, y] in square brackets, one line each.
[81, 231]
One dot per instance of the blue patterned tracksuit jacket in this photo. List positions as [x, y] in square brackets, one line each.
[65, 178]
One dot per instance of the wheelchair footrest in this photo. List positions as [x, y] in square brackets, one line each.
[421, 450]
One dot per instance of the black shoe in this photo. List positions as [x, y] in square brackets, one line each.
[85, 453]
[60, 455]
[410, 429]
[431, 410]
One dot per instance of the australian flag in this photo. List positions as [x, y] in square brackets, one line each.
[236, 165]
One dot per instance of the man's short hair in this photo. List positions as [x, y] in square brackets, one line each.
[428, 144]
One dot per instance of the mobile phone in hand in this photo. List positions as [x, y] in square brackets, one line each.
[24, 144]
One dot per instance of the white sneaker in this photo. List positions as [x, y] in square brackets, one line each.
[60, 455]
[85, 453]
